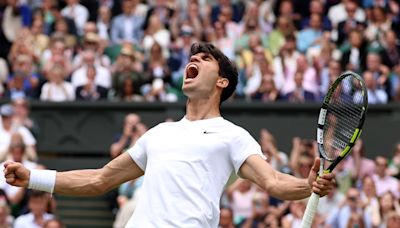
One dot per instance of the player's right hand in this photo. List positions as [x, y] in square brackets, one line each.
[16, 174]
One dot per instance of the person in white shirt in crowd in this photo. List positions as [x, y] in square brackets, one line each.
[17, 153]
[103, 75]
[7, 129]
[56, 89]
[77, 12]
[36, 218]
[337, 13]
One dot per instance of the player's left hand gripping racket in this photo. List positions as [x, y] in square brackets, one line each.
[340, 121]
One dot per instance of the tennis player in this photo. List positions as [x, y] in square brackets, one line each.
[186, 163]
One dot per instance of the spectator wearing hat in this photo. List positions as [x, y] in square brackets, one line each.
[7, 129]
[92, 41]
[127, 26]
[76, 12]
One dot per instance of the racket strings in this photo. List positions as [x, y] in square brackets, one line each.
[343, 115]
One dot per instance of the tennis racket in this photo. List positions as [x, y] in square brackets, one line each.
[340, 121]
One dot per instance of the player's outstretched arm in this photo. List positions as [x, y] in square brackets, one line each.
[284, 186]
[80, 182]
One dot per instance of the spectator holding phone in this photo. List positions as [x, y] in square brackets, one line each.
[132, 130]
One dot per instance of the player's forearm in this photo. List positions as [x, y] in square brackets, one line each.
[81, 182]
[287, 187]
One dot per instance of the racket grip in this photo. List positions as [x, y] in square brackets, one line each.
[311, 209]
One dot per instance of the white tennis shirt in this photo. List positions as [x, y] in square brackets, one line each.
[187, 164]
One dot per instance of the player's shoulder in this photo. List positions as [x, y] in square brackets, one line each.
[232, 125]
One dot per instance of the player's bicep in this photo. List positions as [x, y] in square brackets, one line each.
[257, 170]
[121, 169]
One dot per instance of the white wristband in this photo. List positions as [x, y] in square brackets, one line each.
[42, 180]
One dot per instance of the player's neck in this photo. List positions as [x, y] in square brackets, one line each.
[201, 109]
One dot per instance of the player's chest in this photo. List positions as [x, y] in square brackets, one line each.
[189, 144]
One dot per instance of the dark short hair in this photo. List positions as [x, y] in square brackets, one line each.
[227, 68]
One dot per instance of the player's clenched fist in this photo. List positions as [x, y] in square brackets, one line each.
[16, 174]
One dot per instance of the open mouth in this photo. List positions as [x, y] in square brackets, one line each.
[192, 71]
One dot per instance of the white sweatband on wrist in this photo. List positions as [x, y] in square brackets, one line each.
[42, 180]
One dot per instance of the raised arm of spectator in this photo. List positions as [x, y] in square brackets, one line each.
[295, 154]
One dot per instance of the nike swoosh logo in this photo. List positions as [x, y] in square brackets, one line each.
[209, 132]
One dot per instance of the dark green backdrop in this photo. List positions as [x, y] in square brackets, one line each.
[86, 130]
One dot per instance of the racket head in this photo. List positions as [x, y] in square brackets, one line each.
[342, 116]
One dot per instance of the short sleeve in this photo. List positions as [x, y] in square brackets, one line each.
[138, 152]
[242, 147]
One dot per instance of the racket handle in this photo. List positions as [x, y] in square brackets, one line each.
[311, 209]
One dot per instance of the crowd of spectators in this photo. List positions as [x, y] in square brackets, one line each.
[132, 50]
